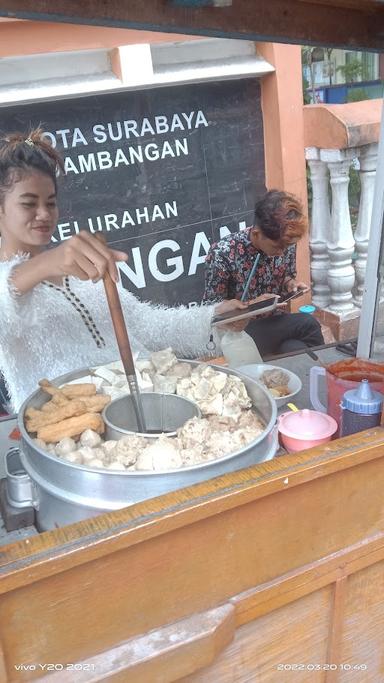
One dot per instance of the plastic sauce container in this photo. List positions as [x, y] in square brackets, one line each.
[305, 429]
[361, 409]
[341, 377]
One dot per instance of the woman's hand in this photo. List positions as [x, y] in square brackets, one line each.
[84, 257]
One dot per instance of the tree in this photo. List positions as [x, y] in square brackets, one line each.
[351, 70]
[306, 55]
[329, 51]
[357, 95]
[310, 55]
[306, 95]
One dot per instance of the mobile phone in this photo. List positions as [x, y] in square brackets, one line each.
[294, 295]
[238, 314]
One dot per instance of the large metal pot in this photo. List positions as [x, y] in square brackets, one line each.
[64, 492]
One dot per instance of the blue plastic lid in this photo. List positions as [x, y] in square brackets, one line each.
[363, 399]
[308, 308]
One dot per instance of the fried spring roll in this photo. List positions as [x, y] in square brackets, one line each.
[68, 390]
[59, 399]
[95, 404]
[49, 388]
[38, 418]
[49, 406]
[30, 413]
[78, 390]
[72, 427]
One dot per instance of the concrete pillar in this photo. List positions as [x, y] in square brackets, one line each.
[368, 163]
[341, 244]
[282, 104]
[319, 228]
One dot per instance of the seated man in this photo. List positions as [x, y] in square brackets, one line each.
[279, 223]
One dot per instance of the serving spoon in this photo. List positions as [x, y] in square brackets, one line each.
[124, 345]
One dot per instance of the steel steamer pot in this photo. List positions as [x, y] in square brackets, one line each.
[63, 493]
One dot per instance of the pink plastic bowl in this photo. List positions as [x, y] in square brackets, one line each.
[305, 429]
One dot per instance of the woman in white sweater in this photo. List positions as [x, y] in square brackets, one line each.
[53, 312]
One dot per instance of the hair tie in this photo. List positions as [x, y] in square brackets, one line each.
[29, 142]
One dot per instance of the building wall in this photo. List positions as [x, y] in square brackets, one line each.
[282, 103]
[33, 37]
[123, 61]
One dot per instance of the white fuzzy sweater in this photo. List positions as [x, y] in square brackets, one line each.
[43, 335]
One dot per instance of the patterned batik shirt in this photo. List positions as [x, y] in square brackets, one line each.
[229, 263]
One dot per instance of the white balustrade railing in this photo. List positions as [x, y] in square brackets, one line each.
[339, 255]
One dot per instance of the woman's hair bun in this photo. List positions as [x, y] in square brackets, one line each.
[22, 153]
[35, 138]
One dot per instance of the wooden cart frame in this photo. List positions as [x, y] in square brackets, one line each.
[273, 573]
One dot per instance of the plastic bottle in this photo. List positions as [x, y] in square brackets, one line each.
[361, 409]
[239, 349]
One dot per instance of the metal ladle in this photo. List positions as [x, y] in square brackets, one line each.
[124, 345]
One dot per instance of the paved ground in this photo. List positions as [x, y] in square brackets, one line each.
[301, 365]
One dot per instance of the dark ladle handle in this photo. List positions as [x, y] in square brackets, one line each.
[124, 345]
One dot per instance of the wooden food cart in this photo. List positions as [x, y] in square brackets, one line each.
[273, 573]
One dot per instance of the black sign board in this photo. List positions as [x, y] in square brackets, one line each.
[162, 172]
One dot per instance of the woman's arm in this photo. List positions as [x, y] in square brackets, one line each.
[12, 304]
[24, 276]
[186, 330]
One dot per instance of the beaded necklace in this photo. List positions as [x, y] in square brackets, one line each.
[80, 308]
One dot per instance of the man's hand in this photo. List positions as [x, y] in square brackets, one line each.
[228, 306]
[293, 286]
[233, 305]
